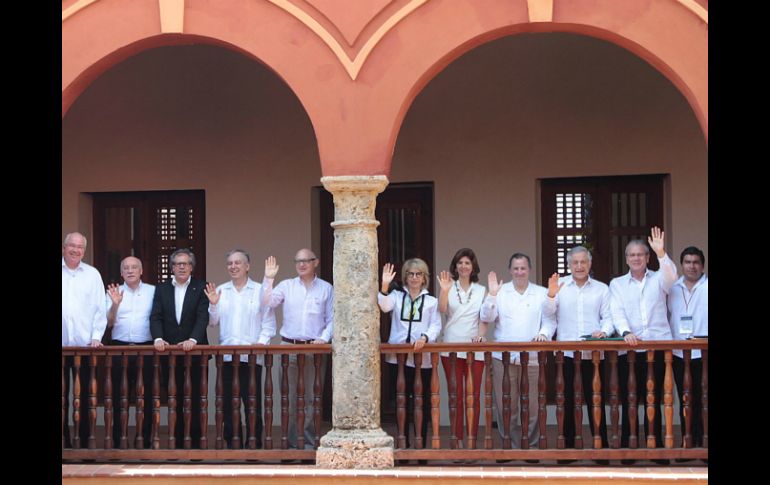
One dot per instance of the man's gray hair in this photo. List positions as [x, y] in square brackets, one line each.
[578, 249]
[177, 253]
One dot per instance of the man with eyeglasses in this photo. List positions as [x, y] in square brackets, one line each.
[180, 315]
[307, 319]
[82, 321]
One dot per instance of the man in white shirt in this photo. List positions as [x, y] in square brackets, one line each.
[237, 308]
[128, 315]
[581, 306]
[307, 318]
[517, 308]
[82, 322]
[688, 306]
[638, 306]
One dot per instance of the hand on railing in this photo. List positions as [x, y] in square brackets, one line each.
[160, 345]
[96, 343]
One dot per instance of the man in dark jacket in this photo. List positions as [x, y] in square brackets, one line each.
[179, 319]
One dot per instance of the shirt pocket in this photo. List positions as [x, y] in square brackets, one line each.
[314, 306]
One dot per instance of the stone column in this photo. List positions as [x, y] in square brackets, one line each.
[356, 439]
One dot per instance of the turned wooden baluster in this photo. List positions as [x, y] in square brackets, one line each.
[187, 402]
[596, 397]
[219, 420]
[577, 387]
[235, 401]
[418, 438]
[614, 400]
[668, 400]
[156, 402]
[560, 439]
[92, 404]
[64, 398]
[541, 401]
[108, 413]
[317, 400]
[524, 401]
[633, 440]
[687, 400]
[252, 400]
[172, 402]
[452, 384]
[650, 399]
[269, 401]
[435, 402]
[704, 382]
[300, 401]
[401, 400]
[506, 400]
[76, 403]
[204, 391]
[285, 402]
[488, 443]
[140, 417]
[470, 400]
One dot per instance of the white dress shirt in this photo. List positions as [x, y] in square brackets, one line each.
[132, 321]
[307, 313]
[462, 317]
[425, 320]
[693, 304]
[578, 311]
[179, 292]
[242, 318]
[519, 317]
[82, 305]
[640, 306]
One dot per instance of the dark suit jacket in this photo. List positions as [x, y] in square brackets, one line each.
[195, 314]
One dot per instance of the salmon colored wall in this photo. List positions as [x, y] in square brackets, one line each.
[356, 122]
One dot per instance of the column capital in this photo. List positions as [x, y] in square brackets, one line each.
[355, 183]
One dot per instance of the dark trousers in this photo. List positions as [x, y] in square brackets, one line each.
[227, 407]
[131, 375]
[640, 370]
[587, 376]
[69, 380]
[195, 407]
[696, 391]
[409, 378]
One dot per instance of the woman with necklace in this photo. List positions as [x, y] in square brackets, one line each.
[460, 300]
[415, 319]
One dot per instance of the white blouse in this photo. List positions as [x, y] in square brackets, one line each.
[463, 316]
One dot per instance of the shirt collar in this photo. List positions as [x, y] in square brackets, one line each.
[680, 281]
[177, 285]
[136, 291]
[631, 277]
[64, 265]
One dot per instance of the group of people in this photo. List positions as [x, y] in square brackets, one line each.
[640, 305]
[175, 314]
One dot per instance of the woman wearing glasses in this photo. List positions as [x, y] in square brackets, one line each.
[415, 320]
[460, 300]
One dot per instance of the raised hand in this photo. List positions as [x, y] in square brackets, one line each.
[388, 274]
[211, 293]
[271, 267]
[553, 285]
[493, 283]
[445, 281]
[115, 294]
[656, 241]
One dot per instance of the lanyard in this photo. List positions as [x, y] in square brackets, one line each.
[686, 301]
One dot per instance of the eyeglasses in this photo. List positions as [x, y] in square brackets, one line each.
[300, 261]
[417, 274]
[181, 264]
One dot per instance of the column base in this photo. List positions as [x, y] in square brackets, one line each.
[356, 448]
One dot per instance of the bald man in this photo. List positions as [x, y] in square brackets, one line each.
[128, 315]
[307, 319]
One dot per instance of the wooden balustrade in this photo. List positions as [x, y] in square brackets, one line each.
[119, 398]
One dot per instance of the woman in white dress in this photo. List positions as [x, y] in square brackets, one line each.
[460, 300]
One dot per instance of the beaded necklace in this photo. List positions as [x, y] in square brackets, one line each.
[470, 294]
